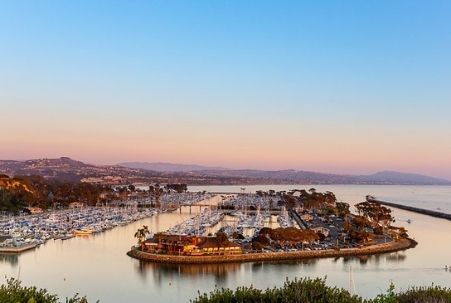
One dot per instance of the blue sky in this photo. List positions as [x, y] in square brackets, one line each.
[341, 86]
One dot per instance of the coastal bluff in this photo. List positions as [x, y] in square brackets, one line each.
[392, 246]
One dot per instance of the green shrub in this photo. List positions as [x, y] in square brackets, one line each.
[308, 290]
[14, 292]
[304, 290]
[431, 294]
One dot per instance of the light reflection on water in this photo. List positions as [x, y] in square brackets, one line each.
[98, 266]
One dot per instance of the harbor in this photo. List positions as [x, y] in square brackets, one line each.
[262, 222]
[24, 232]
[279, 224]
[21, 233]
[66, 267]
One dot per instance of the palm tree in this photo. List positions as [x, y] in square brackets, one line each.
[141, 234]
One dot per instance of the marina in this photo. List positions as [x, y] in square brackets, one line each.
[225, 151]
[310, 223]
[21, 233]
[71, 265]
[25, 232]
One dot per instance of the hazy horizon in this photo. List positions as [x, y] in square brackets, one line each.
[339, 87]
[209, 166]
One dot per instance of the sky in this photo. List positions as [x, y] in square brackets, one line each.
[330, 86]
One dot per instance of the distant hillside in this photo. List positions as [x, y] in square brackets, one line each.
[308, 177]
[67, 169]
[290, 176]
[64, 168]
[167, 167]
[404, 178]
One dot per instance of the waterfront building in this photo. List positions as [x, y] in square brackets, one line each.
[190, 245]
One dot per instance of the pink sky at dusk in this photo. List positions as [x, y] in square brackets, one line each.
[325, 90]
[333, 152]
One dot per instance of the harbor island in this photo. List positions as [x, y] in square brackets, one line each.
[272, 226]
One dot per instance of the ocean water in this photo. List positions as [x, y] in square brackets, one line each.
[98, 266]
[429, 197]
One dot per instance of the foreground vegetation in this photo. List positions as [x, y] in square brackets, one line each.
[14, 292]
[308, 290]
[305, 290]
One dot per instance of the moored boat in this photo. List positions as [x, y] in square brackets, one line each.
[82, 232]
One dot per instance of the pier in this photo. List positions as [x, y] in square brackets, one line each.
[423, 211]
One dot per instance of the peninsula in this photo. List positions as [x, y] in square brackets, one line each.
[272, 226]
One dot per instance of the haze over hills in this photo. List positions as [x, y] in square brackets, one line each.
[405, 178]
[168, 167]
[293, 176]
[65, 168]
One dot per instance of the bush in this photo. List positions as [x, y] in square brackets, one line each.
[304, 290]
[432, 294]
[14, 292]
[308, 290]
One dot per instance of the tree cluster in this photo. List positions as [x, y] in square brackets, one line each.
[177, 187]
[35, 191]
[375, 212]
[310, 199]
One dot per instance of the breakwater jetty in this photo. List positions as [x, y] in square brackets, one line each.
[391, 246]
[423, 211]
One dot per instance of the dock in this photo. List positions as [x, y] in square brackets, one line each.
[18, 249]
[432, 213]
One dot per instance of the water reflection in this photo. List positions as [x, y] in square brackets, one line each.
[12, 259]
[395, 257]
[163, 271]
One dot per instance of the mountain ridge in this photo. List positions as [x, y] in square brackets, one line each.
[65, 168]
[168, 167]
[381, 177]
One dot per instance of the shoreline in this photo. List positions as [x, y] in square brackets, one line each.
[392, 246]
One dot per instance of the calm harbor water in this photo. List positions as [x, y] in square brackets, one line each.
[98, 267]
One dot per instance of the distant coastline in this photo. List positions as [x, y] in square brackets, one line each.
[65, 168]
